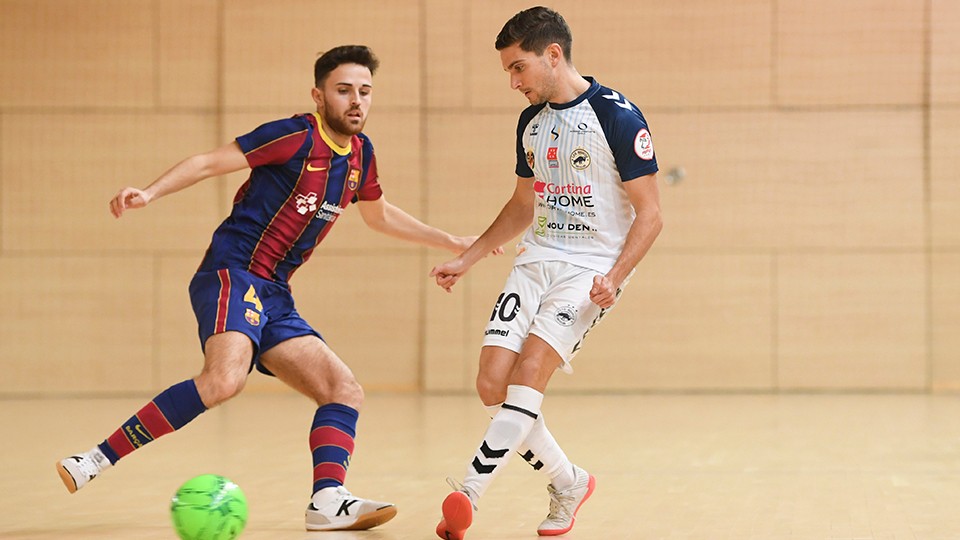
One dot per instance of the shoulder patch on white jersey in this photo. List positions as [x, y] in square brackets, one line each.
[643, 145]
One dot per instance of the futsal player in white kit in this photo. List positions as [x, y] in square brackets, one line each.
[588, 201]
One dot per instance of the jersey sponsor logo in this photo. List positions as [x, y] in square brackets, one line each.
[541, 229]
[566, 315]
[564, 195]
[554, 134]
[570, 227]
[353, 179]
[580, 159]
[530, 159]
[497, 332]
[329, 212]
[582, 129]
[534, 130]
[306, 203]
[311, 168]
[643, 145]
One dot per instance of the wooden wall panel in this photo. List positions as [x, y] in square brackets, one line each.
[76, 325]
[269, 54]
[730, 197]
[472, 173]
[945, 52]
[945, 314]
[793, 179]
[188, 69]
[677, 54]
[56, 53]
[685, 321]
[446, 41]
[59, 200]
[852, 321]
[859, 52]
[944, 177]
[666, 54]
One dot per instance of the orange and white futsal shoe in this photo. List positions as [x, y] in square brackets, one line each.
[565, 504]
[457, 514]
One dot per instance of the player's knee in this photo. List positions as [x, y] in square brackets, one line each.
[214, 389]
[491, 390]
[533, 371]
[348, 392]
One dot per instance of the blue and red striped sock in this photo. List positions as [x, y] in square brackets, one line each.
[331, 443]
[168, 412]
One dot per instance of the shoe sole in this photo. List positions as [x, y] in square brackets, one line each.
[591, 485]
[457, 516]
[366, 521]
[67, 478]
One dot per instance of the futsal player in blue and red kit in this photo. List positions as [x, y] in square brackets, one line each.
[305, 171]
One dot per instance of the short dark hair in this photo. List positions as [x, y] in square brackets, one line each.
[344, 54]
[534, 30]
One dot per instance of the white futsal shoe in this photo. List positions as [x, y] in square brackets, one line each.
[564, 504]
[336, 509]
[78, 470]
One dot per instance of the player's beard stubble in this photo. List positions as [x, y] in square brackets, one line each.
[345, 124]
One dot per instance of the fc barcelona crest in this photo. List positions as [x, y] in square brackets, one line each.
[252, 317]
[353, 179]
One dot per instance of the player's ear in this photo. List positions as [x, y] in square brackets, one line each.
[317, 96]
[554, 54]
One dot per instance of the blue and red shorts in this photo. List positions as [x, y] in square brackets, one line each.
[228, 300]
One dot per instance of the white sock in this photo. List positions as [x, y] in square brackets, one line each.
[508, 429]
[543, 453]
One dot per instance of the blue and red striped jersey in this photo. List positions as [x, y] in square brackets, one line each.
[300, 182]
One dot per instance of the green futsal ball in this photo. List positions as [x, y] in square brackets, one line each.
[209, 507]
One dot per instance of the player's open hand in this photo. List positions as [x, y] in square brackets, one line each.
[603, 293]
[128, 197]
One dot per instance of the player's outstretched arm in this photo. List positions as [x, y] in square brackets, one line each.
[644, 196]
[226, 159]
[515, 216]
[388, 219]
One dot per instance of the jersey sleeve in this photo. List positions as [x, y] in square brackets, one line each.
[369, 189]
[523, 169]
[627, 134]
[275, 142]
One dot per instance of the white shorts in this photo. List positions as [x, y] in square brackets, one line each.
[550, 299]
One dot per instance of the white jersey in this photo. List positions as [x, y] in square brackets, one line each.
[579, 154]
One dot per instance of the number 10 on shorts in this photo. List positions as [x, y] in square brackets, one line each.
[507, 307]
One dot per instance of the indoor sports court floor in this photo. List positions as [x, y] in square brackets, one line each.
[677, 467]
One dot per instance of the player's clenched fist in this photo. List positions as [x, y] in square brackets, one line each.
[603, 293]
